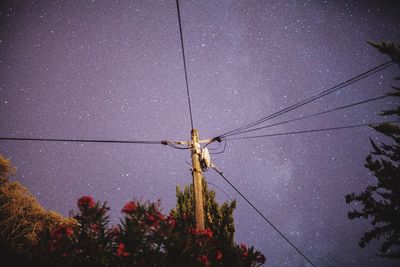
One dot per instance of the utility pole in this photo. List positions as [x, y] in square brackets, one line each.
[197, 157]
[197, 180]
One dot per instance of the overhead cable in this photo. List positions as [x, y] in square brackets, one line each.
[171, 144]
[84, 140]
[313, 98]
[223, 149]
[263, 216]
[312, 131]
[184, 63]
[313, 115]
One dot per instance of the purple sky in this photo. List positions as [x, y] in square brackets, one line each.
[113, 70]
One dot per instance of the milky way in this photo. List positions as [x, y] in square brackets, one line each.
[114, 70]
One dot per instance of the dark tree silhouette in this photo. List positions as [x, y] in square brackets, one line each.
[22, 219]
[381, 201]
[219, 218]
[32, 236]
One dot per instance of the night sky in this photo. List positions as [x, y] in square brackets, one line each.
[114, 70]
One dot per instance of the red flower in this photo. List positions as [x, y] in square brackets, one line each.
[160, 215]
[171, 221]
[204, 260]
[218, 255]
[121, 250]
[58, 236]
[129, 207]
[152, 218]
[69, 231]
[61, 230]
[86, 202]
[245, 252]
[207, 232]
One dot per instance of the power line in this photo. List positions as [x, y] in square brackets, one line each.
[184, 63]
[83, 141]
[208, 182]
[223, 149]
[313, 130]
[171, 144]
[319, 95]
[313, 98]
[313, 115]
[223, 191]
[230, 198]
[213, 148]
[263, 216]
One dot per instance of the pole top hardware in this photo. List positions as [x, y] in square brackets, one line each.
[205, 159]
[188, 143]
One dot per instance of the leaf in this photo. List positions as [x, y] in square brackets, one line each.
[379, 202]
[391, 112]
[389, 48]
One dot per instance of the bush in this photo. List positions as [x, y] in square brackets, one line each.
[144, 237]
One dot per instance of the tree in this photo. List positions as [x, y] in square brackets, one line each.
[218, 218]
[6, 169]
[22, 219]
[32, 236]
[381, 201]
[145, 237]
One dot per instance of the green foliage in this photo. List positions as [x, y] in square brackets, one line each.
[22, 219]
[388, 48]
[218, 218]
[31, 236]
[145, 237]
[85, 242]
[6, 169]
[381, 201]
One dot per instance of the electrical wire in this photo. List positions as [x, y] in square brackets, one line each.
[213, 148]
[262, 215]
[211, 183]
[314, 115]
[320, 95]
[317, 96]
[223, 191]
[313, 98]
[83, 140]
[184, 63]
[313, 130]
[177, 147]
[223, 149]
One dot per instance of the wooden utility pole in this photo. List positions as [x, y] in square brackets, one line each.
[197, 180]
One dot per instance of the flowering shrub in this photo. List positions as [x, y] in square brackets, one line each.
[86, 202]
[31, 236]
[144, 237]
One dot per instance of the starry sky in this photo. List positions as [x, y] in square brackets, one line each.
[113, 70]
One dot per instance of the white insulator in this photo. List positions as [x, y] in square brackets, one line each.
[205, 157]
[197, 148]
